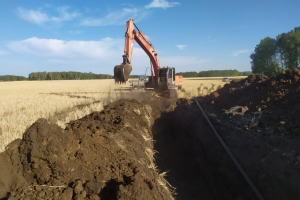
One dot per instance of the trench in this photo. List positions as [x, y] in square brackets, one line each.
[195, 162]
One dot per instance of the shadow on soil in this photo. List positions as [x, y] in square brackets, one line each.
[184, 143]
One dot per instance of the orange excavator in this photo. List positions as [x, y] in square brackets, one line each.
[162, 79]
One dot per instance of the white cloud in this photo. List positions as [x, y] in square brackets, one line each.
[101, 55]
[181, 46]
[39, 17]
[116, 18]
[64, 15]
[55, 48]
[140, 60]
[185, 63]
[33, 16]
[237, 53]
[182, 61]
[161, 4]
[2, 53]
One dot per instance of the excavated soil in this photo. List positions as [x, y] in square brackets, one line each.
[128, 150]
[105, 155]
[259, 120]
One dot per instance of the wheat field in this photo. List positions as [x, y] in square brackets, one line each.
[60, 102]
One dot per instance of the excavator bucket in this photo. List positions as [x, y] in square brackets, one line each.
[121, 73]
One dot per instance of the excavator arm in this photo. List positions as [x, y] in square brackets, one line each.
[133, 33]
[164, 80]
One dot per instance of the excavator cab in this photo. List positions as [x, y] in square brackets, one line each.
[166, 79]
[165, 85]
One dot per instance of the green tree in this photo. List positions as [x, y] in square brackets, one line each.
[219, 73]
[66, 76]
[245, 73]
[264, 58]
[188, 74]
[288, 49]
[12, 78]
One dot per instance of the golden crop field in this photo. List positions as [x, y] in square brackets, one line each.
[23, 102]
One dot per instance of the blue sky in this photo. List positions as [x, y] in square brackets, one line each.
[88, 36]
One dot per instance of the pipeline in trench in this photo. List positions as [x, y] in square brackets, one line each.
[195, 162]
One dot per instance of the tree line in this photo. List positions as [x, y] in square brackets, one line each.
[274, 55]
[66, 76]
[82, 76]
[214, 73]
[12, 78]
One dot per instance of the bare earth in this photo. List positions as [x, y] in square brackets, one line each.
[157, 148]
[22, 103]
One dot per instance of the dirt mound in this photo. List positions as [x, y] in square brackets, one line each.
[275, 100]
[110, 154]
[259, 121]
[105, 155]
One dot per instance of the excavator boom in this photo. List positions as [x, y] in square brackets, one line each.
[162, 78]
[133, 33]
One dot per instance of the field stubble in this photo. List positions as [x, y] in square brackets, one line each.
[22, 103]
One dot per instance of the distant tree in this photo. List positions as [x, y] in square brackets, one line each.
[219, 73]
[188, 74]
[264, 58]
[272, 54]
[12, 78]
[133, 76]
[246, 73]
[66, 76]
[288, 49]
[210, 73]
